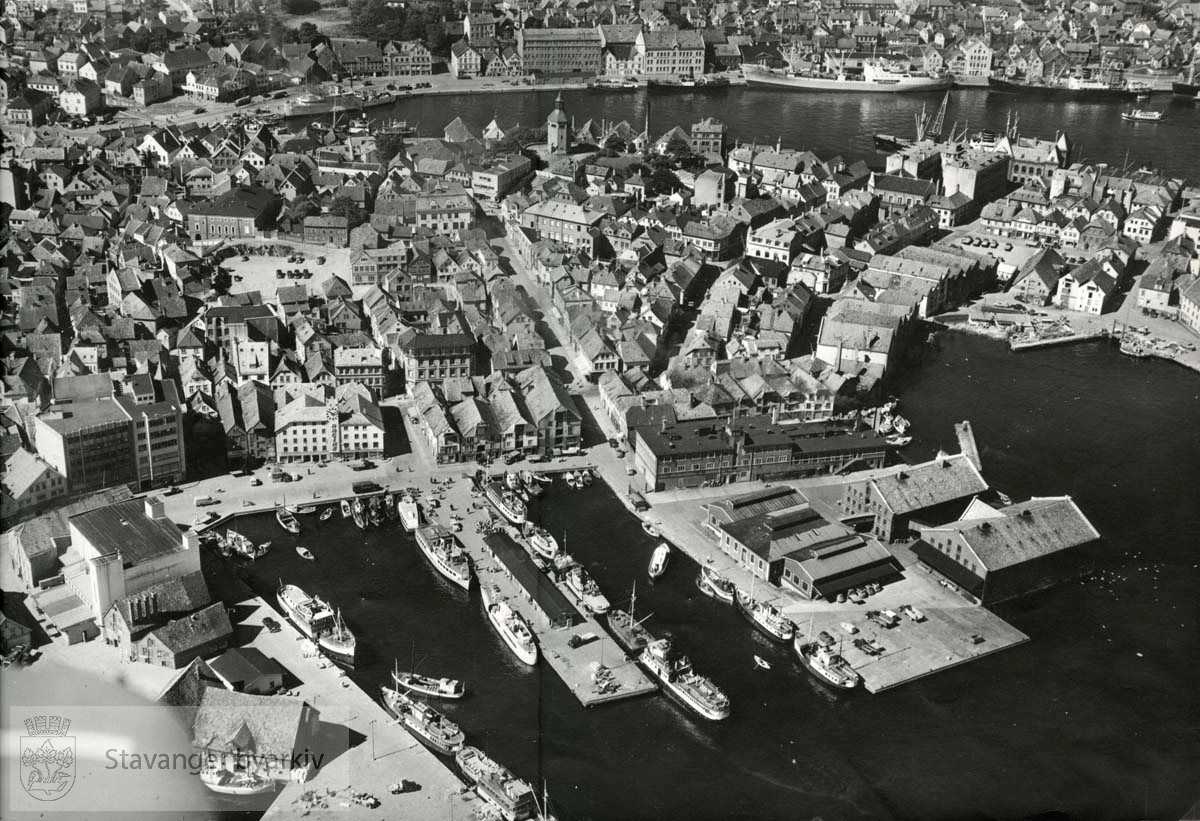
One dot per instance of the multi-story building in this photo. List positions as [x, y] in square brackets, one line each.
[561, 51]
[464, 60]
[408, 57]
[445, 211]
[671, 52]
[28, 483]
[708, 138]
[363, 366]
[563, 221]
[928, 492]
[777, 240]
[980, 175]
[435, 357]
[500, 177]
[241, 212]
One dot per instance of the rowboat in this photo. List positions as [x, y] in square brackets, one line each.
[326, 514]
[305, 553]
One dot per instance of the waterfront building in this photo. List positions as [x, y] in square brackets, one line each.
[435, 357]
[926, 493]
[464, 60]
[619, 48]
[671, 52]
[557, 51]
[168, 624]
[28, 483]
[994, 554]
[244, 732]
[1091, 287]
[407, 57]
[1189, 305]
[248, 670]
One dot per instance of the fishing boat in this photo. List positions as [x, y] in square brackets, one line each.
[359, 511]
[585, 478]
[327, 514]
[302, 510]
[572, 479]
[761, 662]
[389, 506]
[898, 441]
[510, 795]
[506, 504]
[510, 625]
[359, 125]
[766, 617]
[1143, 115]
[429, 686]
[346, 511]
[240, 544]
[674, 671]
[712, 583]
[627, 629]
[900, 424]
[659, 560]
[430, 727]
[650, 529]
[445, 554]
[409, 513]
[317, 620]
[230, 782]
[286, 520]
[543, 543]
[826, 665]
[262, 549]
[586, 590]
[375, 511]
[305, 553]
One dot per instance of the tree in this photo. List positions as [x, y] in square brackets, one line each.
[344, 206]
[615, 143]
[388, 145]
[308, 33]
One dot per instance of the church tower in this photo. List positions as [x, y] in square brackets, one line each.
[558, 129]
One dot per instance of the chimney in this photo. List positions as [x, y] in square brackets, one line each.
[154, 507]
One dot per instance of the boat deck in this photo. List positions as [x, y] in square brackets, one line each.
[500, 560]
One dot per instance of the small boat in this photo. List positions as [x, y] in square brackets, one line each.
[303, 510]
[1143, 115]
[900, 425]
[327, 514]
[375, 511]
[898, 441]
[228, 782]
[650, 529]
[543, 478]
[305, 553]
[428, 686]
[359, 512]
[430, 727]
[627, 629]
[712, 583]
[409, 513]
[1004, 498]
[572, 479]
[346, 511]
[658, 562]
[826, 665]
[543, 543]
[766, 617]
[389, 506]
[761, 662]
[286, 520]
[263, 548]
[585, 478]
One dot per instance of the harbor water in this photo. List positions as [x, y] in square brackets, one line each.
[1095, 717]
[831, 124]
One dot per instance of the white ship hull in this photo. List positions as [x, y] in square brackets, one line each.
[498, 614]
[765, 77]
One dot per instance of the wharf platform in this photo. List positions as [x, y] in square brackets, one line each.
[554, 619]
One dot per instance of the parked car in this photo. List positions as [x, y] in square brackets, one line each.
[172, 490]
[255, 482]
[204, 501]
[513, 457]
[272, 625]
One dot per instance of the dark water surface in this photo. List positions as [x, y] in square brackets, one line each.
[843, 124]
[1075, 720]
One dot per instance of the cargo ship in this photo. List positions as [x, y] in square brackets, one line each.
[875, 78]
[1075, 87]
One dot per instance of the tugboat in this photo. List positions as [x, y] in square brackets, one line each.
[510, 795]
[227, 782]
[543, 543]
[674, 672]
[766, 617]
[318, 621]
[628, 630]
[430, 727]
[826, 665]
[444, 553]
[286, 520]
[658, 561]
[510, 625]
[586, 590]
[712, 583]
[506, 503]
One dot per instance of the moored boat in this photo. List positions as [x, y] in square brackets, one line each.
[766, 617]
[317, 620]
[898, 441]
[445, 554]
[626, 628]
[429, 726]
[506, 503]
[305, 553]
[429, 686]
[346, 511]
[302, 510]
[650, 529]
[286, 520]
[409, 512]
[513, 797]
[359, 512]
[659, 560]
[674, 671]
[875, 77]
[826, 665]
[229, 782]
[375, 511]
[389, 505]
[327, 514]
[510, 625]
[586, 590]
[543, 543]
[712, 583]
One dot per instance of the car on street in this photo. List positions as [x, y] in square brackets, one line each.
[255, 482]
[172, 490]
[513, 457]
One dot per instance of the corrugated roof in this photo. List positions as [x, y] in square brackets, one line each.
[917, 487]
[126, 528]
